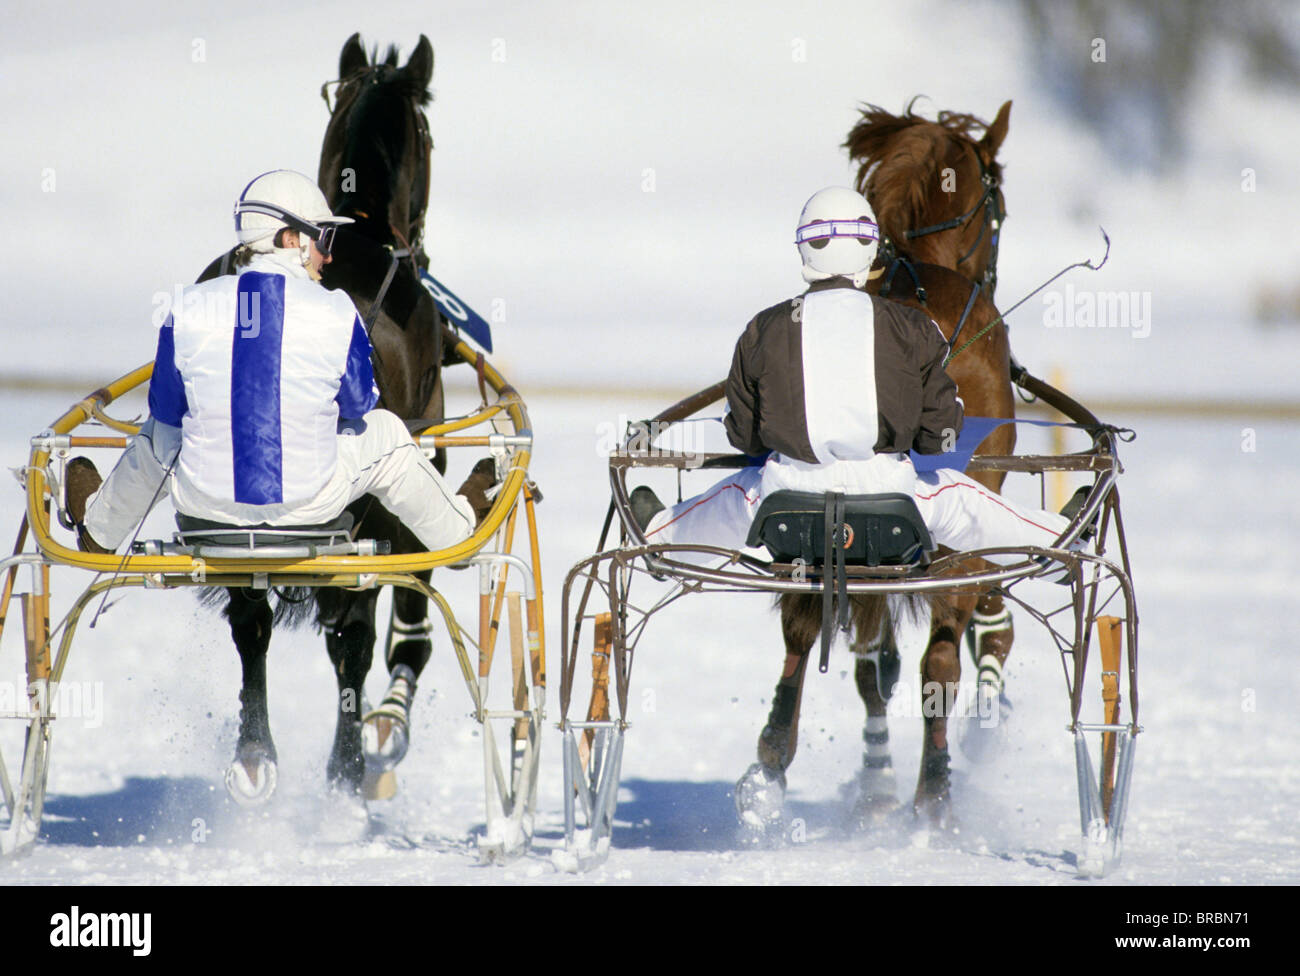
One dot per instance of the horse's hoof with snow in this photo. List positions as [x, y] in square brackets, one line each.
[986, 731]
[251, 778]
[933, 802]
[760, 802]
[344, 817]
[386, 730]
[877, 796]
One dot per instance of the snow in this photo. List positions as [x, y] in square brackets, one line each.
[137, 797]
[616, 301]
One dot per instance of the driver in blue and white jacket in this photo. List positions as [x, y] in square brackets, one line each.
[262, 401]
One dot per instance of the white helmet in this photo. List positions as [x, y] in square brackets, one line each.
[278, 200]
[837, 235]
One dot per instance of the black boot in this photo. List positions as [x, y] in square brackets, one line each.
[645, 506]
[81, 481]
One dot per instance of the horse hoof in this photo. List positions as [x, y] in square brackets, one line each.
[251, 779]
[344, 817]
[986, 731]
[760, 800]
[386, 730]
[877, 797]
[933, 801]
[379, 785]
[384, 740]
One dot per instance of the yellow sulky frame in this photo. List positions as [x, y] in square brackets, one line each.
[511, 788]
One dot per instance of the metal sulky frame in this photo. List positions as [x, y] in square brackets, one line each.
[1100, 597]
[510, 769]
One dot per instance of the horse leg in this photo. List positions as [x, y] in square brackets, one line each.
[940, 683]
[876, 673]
[386, 734]
[351, 643]
[251, 778]
[989, 637]
[760, 793]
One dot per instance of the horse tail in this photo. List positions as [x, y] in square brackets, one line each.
[292, 606]
[801, 616]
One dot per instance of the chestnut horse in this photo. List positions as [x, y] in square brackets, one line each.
[936, 193]
[935, 189]
[982, 371]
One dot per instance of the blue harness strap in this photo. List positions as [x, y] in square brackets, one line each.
[973, 432]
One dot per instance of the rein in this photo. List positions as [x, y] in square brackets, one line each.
[1077, 264]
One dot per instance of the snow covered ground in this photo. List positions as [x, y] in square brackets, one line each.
[135, 787]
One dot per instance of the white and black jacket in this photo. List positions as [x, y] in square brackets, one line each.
[837, 374]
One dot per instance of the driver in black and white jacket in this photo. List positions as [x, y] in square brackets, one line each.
[839, 386]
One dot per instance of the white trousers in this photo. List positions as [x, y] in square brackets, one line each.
[382, 461]
[960, 513]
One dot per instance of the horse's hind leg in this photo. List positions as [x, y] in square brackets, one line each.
[876, 673]
[251, 778]
[940, 684]
[351, 644]
[760, 794]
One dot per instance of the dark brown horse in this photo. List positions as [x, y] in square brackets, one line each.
[377, 142]
[936, 193]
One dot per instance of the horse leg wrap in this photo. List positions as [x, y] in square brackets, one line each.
[990, 635]
[875, 740]
[990, 673]
[400, 633]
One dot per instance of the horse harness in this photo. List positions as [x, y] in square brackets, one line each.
[990, 203]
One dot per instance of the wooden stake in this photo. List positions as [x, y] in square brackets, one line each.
[598, 710]
[520, 685]
[1110, 639]
[1059, 492]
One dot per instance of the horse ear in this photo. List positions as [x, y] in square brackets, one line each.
[353, 56]
[420, 67]
[996, 132]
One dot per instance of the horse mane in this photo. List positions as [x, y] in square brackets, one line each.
[900, 158]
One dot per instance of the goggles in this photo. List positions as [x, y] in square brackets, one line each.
[322, 234]
[819, 233]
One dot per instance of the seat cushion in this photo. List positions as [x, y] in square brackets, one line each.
[876, 530]
[200, 531]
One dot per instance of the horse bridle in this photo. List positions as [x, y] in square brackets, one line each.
[374, 74]
[991, 204]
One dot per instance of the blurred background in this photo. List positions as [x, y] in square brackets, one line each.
[624, 182]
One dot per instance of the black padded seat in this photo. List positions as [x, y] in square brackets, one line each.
[826, 533]
[881, 530]
[205, 532]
